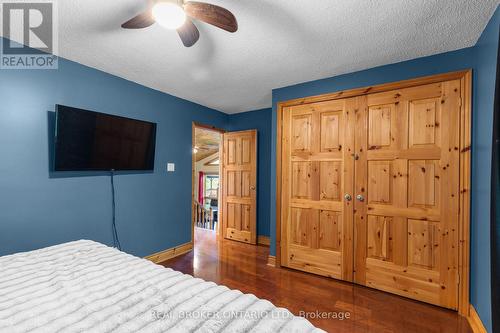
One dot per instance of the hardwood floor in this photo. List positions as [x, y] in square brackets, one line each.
[244, 267]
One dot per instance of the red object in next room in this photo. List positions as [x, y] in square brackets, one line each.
[200, 187]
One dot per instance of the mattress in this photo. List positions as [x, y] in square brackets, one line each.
[84, 286]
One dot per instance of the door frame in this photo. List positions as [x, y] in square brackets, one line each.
[195, 125]
[465, 77]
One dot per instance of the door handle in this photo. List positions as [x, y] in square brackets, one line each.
[348, 197]
[360, 198]
[252, 188]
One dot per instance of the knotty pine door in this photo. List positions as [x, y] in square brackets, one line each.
[370, 190]
[239, 194]
[406, 227]
[318, 140]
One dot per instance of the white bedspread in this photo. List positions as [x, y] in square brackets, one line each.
[85, 286]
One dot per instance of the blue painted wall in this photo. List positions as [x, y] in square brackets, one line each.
[482, 59]
[153, 209]
[260, 120]
[484, 97]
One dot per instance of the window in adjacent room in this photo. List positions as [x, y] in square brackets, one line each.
[211, 186]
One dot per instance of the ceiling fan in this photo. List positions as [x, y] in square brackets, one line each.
[178, 14]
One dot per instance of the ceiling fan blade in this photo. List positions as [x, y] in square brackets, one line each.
[189, 33]
[141, 21]
[212, 14]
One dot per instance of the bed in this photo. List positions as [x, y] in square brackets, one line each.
[84, 286]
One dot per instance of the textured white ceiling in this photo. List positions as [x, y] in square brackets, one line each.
[279, 43]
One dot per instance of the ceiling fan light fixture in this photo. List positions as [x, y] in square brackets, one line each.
[169, 15]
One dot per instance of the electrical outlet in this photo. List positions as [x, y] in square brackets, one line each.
[170, 167]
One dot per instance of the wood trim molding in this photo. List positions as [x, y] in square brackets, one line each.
[465, 195]
[279, 139]
[465, 76]
[167, 254]
[271, 261]
[475, 321]
[376, 88]
[220, 215]
[263, 240]
[209, 127]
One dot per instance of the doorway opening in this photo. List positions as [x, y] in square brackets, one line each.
[206, 179]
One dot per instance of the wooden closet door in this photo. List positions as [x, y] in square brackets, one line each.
[239, 195]
[407, 177]
[318, 141]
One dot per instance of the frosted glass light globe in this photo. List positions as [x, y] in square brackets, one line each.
[169, 15]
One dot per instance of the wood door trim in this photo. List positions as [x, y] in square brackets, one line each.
[376, 88]
[279, 179]
[208, 127]
[465, 76]
[465, 195]
[195, 125]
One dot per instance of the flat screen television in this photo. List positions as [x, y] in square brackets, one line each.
[93, 141]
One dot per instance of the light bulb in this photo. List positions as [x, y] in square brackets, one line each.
[169, 15]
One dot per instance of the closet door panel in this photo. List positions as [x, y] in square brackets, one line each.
[316, 160]
[407, 180]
